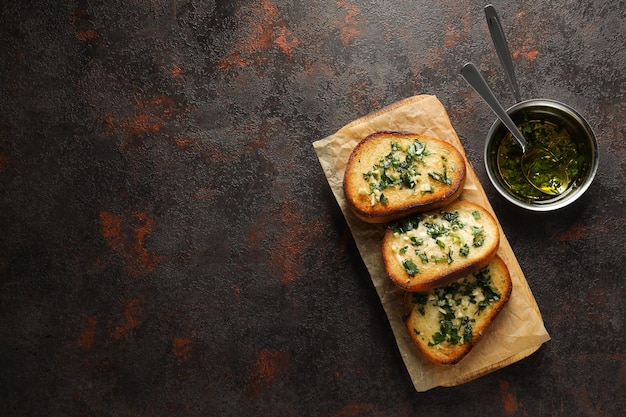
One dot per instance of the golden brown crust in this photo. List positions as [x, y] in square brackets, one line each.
[424, 319]
[436, 251]
[436, 179]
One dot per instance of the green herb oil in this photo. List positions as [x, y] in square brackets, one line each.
[541, 134]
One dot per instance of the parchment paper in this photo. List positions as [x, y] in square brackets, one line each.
[515, 334]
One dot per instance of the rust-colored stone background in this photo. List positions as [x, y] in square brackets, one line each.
[169, 245]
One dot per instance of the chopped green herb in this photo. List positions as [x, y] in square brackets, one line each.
[435, 230]
[398, 169]
[441, 177]
[467, 334]
[483, 281]
[416, 149]
[438, 338]
[410, 267]
[479, 236]
[548, 135]
[407, 180]
[449, 216]
[443, 258]
[455, 329]
[405, 225]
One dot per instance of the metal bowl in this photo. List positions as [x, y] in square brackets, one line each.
[563, 116]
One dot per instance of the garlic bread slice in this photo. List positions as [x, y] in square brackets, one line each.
[446, 322]
[392, 174]
[432, 249]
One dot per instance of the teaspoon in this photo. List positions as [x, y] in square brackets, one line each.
[536, 161]
[502, 48]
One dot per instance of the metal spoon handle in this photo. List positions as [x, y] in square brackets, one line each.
[478, 83]
[502, 48]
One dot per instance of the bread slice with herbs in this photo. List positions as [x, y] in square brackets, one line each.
[446, 323]
[392, 174]
[432, 249]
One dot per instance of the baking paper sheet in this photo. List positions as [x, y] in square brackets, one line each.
[519, 329]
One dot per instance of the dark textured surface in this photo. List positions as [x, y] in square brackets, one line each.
[169, 245]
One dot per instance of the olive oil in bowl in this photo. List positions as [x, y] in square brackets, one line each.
[541, 134]
[556, 127]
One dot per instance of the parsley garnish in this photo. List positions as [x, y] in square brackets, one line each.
[403, 226]
[423, 256]
[443, 258]
[410, 267]
[441, 177]
[435, 230]
[479, 236]
[399, 168]
[453, 329]
[449, 216]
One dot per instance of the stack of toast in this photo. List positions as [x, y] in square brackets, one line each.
[438, 248]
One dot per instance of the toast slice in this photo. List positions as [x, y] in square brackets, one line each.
[446, 322]
[432, 249]
[392, 174]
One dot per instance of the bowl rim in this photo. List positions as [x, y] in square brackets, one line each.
[562, 200]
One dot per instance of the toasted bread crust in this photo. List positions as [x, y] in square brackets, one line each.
[436, 251]
[436, 177]
[424, 319]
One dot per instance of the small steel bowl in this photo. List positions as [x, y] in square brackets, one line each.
[563, 116]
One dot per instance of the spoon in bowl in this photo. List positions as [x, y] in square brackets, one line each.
[541, 167]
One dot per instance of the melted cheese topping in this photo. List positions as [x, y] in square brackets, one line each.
[409, 165]
[438, 238]
[449, 313]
